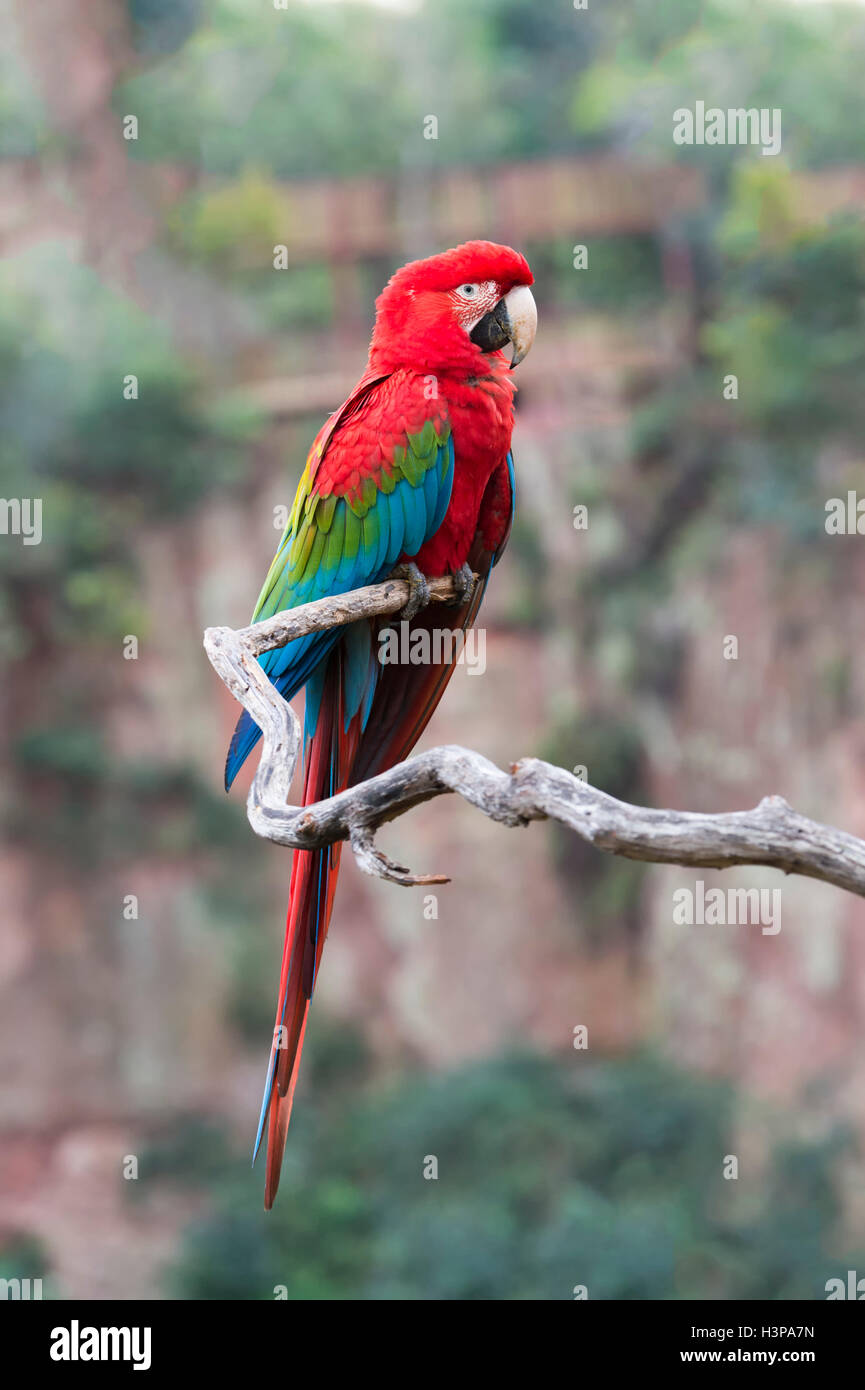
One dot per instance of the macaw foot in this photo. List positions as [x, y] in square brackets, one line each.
[418, 588]
[464, 580]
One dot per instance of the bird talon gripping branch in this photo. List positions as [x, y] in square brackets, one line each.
[465, 581]
[418, 589]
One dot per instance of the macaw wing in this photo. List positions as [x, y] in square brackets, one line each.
[376, 486]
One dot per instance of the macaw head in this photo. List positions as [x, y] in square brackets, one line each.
[446, 312]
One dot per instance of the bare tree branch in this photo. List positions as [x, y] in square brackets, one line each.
[772, 834]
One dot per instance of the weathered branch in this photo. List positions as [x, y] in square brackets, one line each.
[772, 834]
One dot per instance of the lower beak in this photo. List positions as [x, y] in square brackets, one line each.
[513, 320]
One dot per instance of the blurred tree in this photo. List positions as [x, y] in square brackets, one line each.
[550, 1175]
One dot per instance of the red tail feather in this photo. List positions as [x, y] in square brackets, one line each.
[310, 903]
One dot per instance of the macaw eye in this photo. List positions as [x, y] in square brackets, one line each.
[468, 291]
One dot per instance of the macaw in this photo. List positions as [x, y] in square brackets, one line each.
[413, 474]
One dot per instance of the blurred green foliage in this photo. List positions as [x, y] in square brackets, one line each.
[550, 1174]
[313, 89]
[86, 806]
[232, 231]
[22, 1256]
[625, 274]
[161, 26]
[105, 468]
[104, 464]
[233, 226]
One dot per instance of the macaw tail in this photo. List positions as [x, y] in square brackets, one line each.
[313, 882]
[330, 752]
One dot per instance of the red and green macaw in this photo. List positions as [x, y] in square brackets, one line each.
[413, 471]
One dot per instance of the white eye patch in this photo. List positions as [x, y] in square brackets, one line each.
[473, 299]
[475, 290]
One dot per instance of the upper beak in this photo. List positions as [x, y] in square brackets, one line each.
[513, 320]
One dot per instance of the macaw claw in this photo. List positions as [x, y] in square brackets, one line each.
[465, 581]
[419, 595]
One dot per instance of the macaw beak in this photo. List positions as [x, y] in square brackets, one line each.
[513, 320]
